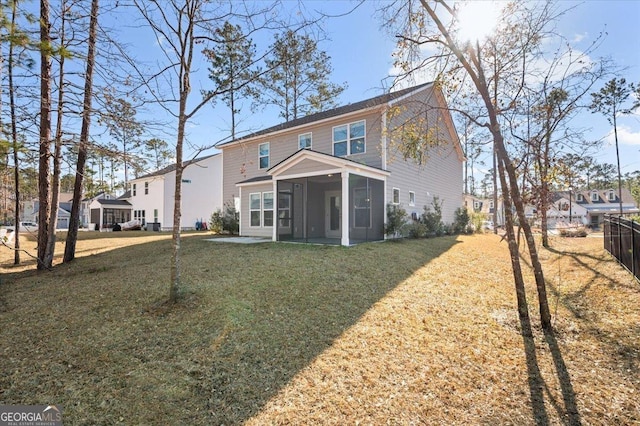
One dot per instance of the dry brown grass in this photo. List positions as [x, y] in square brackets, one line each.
[417, 332]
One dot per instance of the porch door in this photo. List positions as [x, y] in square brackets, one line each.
[333, 213]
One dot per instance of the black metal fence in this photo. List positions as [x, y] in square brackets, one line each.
[622, 240]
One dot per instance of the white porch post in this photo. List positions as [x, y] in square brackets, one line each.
[275, 211]
[240, 212]
[345, 209]
[384, 206]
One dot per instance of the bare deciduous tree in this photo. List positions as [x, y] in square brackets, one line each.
[495, 69]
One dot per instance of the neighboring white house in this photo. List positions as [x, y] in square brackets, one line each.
[152, 195]
[588, 207]
[85, 210]
[565, 209]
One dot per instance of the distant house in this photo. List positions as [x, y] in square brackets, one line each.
[152, 195]
[328, 177]
[30, 210]
[106, 212]
[85, 210]
[589, 206]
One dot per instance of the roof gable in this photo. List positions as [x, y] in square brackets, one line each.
[318, 159]
[376, 101]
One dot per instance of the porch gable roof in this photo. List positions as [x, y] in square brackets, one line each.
[332, 163]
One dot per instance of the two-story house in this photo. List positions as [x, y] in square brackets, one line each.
[328, 177]
[152, 195]
[588, 207]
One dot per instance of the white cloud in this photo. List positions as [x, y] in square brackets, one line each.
[626, 136]
[577, 38]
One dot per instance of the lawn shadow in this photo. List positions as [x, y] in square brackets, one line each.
[534, 376]
[569, 409]
[568, 395]
[537, 385]
[259, 315]
[278, 323]
[577, 304]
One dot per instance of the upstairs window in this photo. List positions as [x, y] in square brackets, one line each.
[579, 198]
[263, 155]
[594, 196]
[349, 139]
[146, 188]
[304, 141]
[611, 196]
[133, 189]
[412, 198]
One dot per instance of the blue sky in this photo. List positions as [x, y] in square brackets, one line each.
[361, 52]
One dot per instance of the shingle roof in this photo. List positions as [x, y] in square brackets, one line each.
[172, 167]
[345, 109]
[602, 196]
[114, 202]
[256, 179]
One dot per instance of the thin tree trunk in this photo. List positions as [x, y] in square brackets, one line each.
[74, 221]
[186, 58]
[514, 252]
[615, 133]
[14, 140]
[45, 133]
[57, 155]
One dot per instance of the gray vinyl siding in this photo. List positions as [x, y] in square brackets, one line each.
[440, 174]
[245, 213]
[240, 161]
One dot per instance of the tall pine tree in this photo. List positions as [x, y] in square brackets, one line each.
[232, 67]
[297, 77]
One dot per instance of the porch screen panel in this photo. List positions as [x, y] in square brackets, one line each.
[285, 211]
[366, 209]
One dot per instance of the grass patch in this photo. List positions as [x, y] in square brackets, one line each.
[417, 332]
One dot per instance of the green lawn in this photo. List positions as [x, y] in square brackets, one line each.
[416, 332]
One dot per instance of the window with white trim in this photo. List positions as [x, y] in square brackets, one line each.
[267, 208]
[477, 205]
[362, 207]
[579, 198]
[146, 188]
[412, 198]
[139, 215]
[133, 189]
[349, 139]
[255, 208]
[611, 196]
[594, 196]
[263, 155]
[396, 196]
[304, 141]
